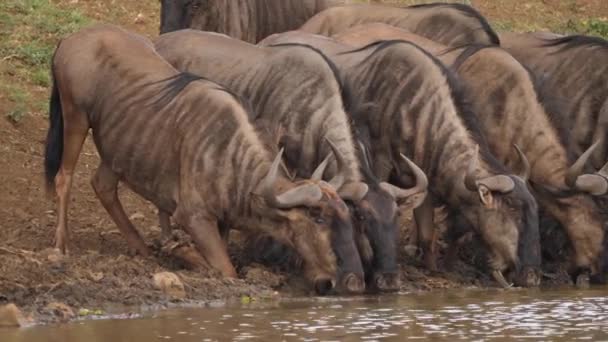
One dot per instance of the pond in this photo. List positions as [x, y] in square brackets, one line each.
[558, 315]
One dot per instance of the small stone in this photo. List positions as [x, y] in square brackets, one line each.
[62, 311]
[139, 19]
[170, 284]
[96, 276]
[137, 216]
[10, 316]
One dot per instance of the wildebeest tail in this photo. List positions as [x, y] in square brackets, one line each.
[54, 138]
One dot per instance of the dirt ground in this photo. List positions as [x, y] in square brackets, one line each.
[98, 273]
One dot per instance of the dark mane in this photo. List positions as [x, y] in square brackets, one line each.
[345, 89]
[352, 106]
[467, 52]
[550, 103]
[574, 41]
[175, 84]
[459, 95]
[468, 11]
[554, 111]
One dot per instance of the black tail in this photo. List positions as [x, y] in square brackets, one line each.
[54, 139]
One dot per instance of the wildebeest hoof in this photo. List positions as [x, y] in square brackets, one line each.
[353, 284]
[582, 281]
[501, 279]
[323, 286]
[387, 282]
[412, 251]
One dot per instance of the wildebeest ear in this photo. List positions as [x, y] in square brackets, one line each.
[486, 197]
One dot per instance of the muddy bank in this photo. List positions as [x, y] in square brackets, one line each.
[98, 274]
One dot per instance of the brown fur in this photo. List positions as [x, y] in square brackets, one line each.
[505, 92]
[418, 112]
[574, 72]
[450, 24]
[181, 142]
[248, 20]
[309, 102]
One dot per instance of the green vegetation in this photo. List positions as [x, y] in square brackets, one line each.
[593, 27]
[29, 31]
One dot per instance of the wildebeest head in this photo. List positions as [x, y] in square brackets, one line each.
[180, 14]
[582, 211]
[317, 225]
[376, 218]
[374, 208]
[508, 222]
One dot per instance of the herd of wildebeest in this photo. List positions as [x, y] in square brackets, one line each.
[315, 123]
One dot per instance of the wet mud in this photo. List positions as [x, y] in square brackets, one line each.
[98, 273]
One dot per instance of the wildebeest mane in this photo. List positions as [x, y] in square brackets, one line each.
[553, 109]
[549, 103]
[459, 95]
[345, 90]
[470, 12]
[351, 104]
[574, 41]
[174, 85]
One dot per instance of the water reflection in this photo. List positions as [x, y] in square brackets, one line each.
[464, 315]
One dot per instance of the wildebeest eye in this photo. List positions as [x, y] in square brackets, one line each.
[319, 220]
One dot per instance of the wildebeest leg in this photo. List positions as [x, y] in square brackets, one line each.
[105, 184]
[224, 232]
[206, 236]
[164, 220]
[427, 235]
[75, 129]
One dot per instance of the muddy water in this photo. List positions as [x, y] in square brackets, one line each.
[558, 315]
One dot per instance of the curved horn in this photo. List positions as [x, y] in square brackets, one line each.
[595, 185]
[577, 168]
[318, 174]
[499, 183]
[353, 191]
[526, 171]
[470, 180]
[604, 171]
[365, 156]
[422, 182]
[270, 179]
[307, 194]
[338, 179]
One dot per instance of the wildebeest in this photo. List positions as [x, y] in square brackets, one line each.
[449, 24]
[507, 103]
[419, 111]
[248, 20]
[299, 89]
[185, 144]
[573, 70]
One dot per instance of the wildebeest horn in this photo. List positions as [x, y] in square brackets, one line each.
[593, 184]
[318, 174]
[422, 182]
[525, 174]
[470, 180]
[338, 179]
[352, 191]
[498, 183]
[307, 194]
